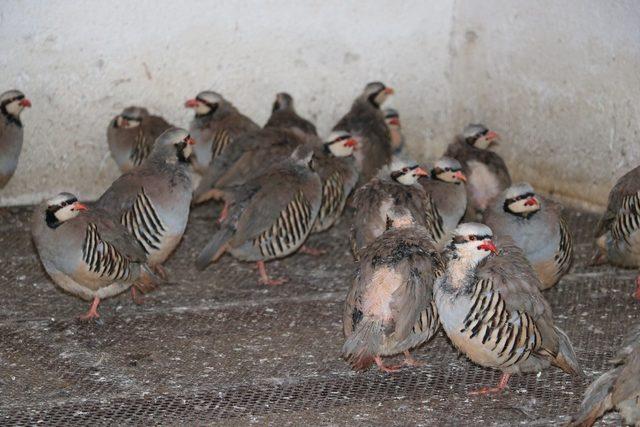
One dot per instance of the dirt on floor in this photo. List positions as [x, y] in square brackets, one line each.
[218, 348]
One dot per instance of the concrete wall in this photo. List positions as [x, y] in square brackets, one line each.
[559, 80]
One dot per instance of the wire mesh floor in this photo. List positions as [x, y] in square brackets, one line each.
[217, 348]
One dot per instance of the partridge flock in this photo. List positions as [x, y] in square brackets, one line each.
[423, 259]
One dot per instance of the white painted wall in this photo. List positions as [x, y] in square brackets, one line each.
[559, 79]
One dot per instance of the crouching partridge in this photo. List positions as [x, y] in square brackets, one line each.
[87, 254]
[618, 232]
[270, 216]
[491, 308]
[396, 185]
[487, 174]
[131, 135]
[537, 227]
[389, 308]
[11, 134]
[445, 187]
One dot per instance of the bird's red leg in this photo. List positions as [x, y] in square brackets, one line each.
[409, 360]
[224, 213]
[93, 311]
[308, 250]
[264, 278]
[637, 293]
[385, 368]
[504, 379]
[137, 299]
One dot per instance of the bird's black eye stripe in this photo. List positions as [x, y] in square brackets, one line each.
[15, 98]
[447, 169]
[130, 118]
[483, 133]
[412, 167]
[209, 104]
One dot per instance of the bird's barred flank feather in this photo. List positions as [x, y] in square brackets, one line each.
[435, 224]
[289, 230]
[332, 197]
[428, 320]
[102, 258]
[627, 220]
[143, 222]
[512, 336]
[564, 256]
[220, 140]
[141, 149]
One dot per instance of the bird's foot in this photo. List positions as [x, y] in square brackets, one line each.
[598, 258]
[504, 379]
[308, 250]
[264, 277]
[136, 297]
[409, 360]
[160, 271]
[385, 368]
[92, 313]
[223, 214]
[273, 282]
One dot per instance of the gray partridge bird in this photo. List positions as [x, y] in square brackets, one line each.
[270, 216]
[131, 135]
[392, 119]
[447, 192]
[11, 135]
[334, 163]
[537, 227]
[284, 115]
[153, 200]
[256, 153]
[487, 174]
[87, 254]
[389, 308]
[365, 122]
[618, 388]
[395, 185]
[215, 127]
[492, 309]
[618, 232]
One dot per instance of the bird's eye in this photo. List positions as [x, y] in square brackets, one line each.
[447, 169]
[405, 169]
[472, 237]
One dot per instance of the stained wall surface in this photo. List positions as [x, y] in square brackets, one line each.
[558, 80]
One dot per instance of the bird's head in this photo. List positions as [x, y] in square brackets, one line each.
[13, 102]
[406, 172]
[520, 200]
[205, 103]
[472, 242]
[341, 144]
[448, 170]
[131, 117]
[62, 208]
[377, 93]
[479, 136]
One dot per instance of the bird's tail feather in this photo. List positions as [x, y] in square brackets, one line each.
[215, 248]
[597, 400]
[361, 347]
[566, 358]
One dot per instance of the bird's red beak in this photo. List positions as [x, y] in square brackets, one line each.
[420, 172]
[351, 143]
[488, 245]
[460, 176]
[394, 121]
[80, 207]
[531, 201]
[191, 103]
[191, 141]
[25, 103]
[491, 136]
[389, 91]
